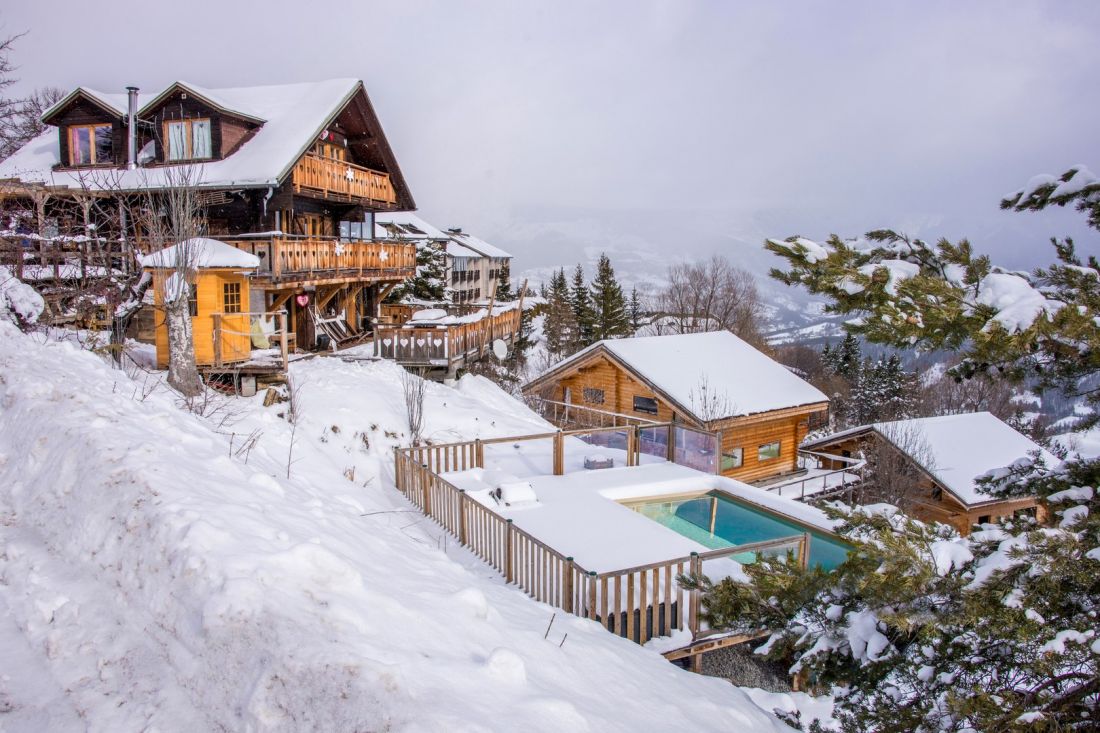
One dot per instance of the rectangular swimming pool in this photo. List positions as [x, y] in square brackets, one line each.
[717, 520]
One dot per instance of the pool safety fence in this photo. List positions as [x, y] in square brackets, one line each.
[638, 603]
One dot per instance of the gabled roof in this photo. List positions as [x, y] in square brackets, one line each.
[739, 380]
[212, 98]
[952, 449]
[114, 105]
[293, 117]
[203, 253]
[478, 245]
[411, 228]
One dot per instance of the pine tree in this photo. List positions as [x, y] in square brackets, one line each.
[430, 281]
[610, 318]
[581, 303]
[504, 284]
[560, 325]
[635, 309]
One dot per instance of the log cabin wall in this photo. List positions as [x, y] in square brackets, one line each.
[750, 433]
[175, 107]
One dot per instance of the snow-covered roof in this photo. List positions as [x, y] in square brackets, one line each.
[954, 449]
[293, 114]
[411, 228]
[202, 252]
[117, 103]
[739, 380]
[478, 245]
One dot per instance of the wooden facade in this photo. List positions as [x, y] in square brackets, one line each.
[211, 315]
[599, 381]
[936, 502]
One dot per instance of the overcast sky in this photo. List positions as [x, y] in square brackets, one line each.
[667, 128]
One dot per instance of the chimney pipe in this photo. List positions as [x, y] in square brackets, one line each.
[131, 124]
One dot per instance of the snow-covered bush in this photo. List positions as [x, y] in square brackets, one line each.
[19, 303]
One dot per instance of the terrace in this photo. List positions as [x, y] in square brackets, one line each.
[601, 522]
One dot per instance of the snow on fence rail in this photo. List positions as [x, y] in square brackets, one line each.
[638, 603]
[445, 345]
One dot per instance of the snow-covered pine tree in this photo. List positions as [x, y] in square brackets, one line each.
[560, 325]
[922, 630]
[635, 309]
[610, 318]
[430, 281]
[504, 284]
[581, 303]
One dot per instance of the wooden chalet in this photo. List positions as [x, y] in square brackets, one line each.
[712, 381]
[292, 175]
[947, 452]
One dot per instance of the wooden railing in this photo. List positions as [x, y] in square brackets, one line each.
[284, 257]
[445, 345]
[834, 481]
[567, 415]
[339, 179]
[638, 603]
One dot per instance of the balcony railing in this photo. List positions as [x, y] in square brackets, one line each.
[342, 180]
[285, 257]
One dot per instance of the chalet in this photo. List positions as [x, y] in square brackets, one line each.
[712, 381]
[473, 266]
[948, 452]
[291, 175]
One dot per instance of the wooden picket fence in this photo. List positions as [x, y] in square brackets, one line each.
[638, 603]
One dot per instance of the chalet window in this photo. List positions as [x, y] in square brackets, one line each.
[353, 231]
[984, 519]
[768, 451]
[937, 493]
[593, 396]
[732, 459]
[231, 297]
[90, 145]
[188, 140]
[193, 301]
[648, 405]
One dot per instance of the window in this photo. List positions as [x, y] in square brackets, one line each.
[984, 519]
[937, 493]
[593, 396]
[732, 459]
[231, 297]
[193, 300]
[188, 139]
[768, 451]
[354, 231]
[90, 145]
[648, 405]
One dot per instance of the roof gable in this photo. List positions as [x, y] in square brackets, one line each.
[209, 98]
[112, 105]
[708, 376]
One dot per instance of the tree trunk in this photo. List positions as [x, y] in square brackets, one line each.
[183, 375]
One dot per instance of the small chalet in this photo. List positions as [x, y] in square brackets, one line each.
[291, 176]
[473, 266]
[713, 381]
[949, 452]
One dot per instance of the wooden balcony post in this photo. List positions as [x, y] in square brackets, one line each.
[590, 610]
[509, 572]
[479, 453]
[462, 516]
[559, 451]
[696, 568]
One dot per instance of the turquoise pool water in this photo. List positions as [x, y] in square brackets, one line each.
[738, 523]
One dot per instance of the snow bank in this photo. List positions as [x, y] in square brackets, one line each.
[156, 579]
[19, 302]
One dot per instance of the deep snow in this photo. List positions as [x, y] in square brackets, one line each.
[159, 571]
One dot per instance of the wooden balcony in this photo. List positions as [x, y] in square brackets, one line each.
[287, 260]
[342, 181]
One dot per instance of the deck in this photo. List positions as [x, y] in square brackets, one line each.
[449, 346]
[561, 550]
[338, 180]
[287, 259]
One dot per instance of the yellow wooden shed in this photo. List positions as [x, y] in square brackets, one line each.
[219, 299]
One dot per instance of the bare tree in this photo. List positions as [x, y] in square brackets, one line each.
[412, 387]
[895, 458]
[708, 403]
[172, 215]
[713, 295]
[20, 120]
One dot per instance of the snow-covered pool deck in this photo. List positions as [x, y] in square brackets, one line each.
[580, 514]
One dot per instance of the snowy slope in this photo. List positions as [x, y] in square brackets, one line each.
[152, 578]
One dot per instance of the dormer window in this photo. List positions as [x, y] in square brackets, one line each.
[188, 139]
[90, 145]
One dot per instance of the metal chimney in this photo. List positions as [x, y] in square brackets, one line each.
[131, 124]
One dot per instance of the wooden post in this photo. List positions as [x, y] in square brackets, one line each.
[284, 348]
[398, 470]
[509, 572]
[479, 453]
[804, 551]
[590, 611]
[631, 445]
[671, 443]
[559, 451]
[217, 338]
[427, 488]
[718, 453]
[567, 586]
[462, 516]
[696, 568]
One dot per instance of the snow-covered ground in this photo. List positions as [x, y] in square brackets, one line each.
[162, 570]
